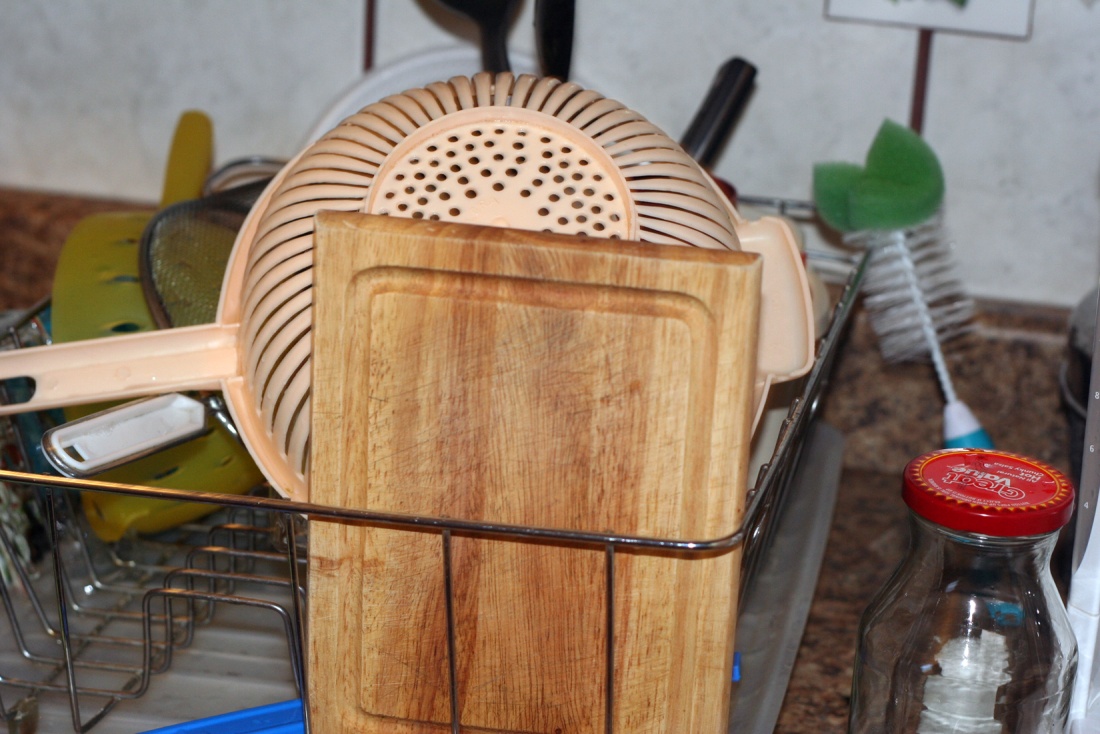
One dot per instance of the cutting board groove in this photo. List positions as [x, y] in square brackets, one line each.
[506, 376]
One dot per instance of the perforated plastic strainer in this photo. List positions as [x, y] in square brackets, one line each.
[505, 151]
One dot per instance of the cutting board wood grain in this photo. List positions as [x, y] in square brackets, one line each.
[514, 377]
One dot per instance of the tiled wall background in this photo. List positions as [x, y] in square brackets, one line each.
[90, 91]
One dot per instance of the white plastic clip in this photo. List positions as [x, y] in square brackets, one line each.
[113, 437]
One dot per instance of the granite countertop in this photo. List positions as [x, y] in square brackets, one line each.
[33, 227]
[1006, 371]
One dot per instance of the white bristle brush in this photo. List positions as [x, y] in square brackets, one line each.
[915, 304]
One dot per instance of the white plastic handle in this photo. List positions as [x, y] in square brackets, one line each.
[119, 435]
[149, 363]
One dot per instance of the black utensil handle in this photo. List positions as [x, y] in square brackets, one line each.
[726, 98]
[554, 21]
[494, 48]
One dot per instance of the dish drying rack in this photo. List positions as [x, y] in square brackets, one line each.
[95, 625]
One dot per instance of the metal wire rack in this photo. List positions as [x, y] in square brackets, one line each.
[97, 623]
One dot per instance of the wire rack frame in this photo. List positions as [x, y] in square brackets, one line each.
[764, 501]
[120, 611]
[86, 655]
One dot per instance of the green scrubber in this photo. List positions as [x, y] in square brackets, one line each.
[900, 184]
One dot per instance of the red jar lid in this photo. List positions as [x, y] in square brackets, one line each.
[988, 492]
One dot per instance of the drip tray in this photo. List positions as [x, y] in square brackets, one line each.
[774, 609]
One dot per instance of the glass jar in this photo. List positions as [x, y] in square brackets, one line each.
[970, 635]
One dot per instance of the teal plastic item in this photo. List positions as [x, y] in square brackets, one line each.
[276, 718]
[961, 429]
[978, 439]
[30, 426]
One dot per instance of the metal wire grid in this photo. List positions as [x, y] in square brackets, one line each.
[116, 621]
[160, 601]
[96, 622]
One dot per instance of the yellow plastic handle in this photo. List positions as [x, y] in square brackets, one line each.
[189, 159]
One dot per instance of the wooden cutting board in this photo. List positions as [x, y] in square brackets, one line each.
[515, 377]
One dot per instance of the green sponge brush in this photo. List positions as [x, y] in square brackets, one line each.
[900, 184]
[890, 205]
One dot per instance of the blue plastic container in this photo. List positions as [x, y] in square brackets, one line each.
[277, 718]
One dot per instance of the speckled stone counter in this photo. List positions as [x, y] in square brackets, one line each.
[33, 227]
[1007, 371]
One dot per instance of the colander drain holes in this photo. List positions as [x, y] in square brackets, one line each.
[503, 176]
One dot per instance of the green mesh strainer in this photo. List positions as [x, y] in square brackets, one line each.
[184, 253]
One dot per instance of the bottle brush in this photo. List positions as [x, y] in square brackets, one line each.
[891, 205]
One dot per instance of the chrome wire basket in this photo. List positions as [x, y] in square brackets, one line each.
[146, 631]
[93, 625]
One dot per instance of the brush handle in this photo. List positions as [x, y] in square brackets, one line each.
[111, 368]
